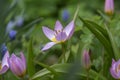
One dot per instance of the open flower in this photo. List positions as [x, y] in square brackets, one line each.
[109, 6]
[4, 63]
[58, 35]
[18, 65]
[115, 69]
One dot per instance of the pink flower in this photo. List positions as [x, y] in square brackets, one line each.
[86, 59]
[109, 6]
[115, 69]
[17, 64]
[58, 35]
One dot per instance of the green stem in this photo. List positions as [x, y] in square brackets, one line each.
[87, 75]
[62, 58]
[103, 60]
[76, 13]
[1, 77]
[63, 52]
[23, 78]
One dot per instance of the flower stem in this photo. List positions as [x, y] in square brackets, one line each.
[76, 13]
[87, 75]
[1, 77]
[24, 78]
[63, 52]
[62, 58]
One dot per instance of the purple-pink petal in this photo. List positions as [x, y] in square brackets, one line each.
[113, 73]
[113, 61]
[69, 29]
[4, 69]
[109, 5]
[58, 26]
[48, 45]
[61, 36]
[86, 59]
[4, 64]
[5, 59]
[114, 70]
[17, 64]
[23, 59]
[48, 32]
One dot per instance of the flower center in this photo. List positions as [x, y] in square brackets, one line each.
[57, 32]
[54, 39]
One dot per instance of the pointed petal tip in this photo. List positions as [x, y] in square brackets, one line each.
[69, 29]
[58, 26]
[113, 61]
[47, 46]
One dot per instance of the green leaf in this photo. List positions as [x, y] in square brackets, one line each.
[113, 43]
[47, 67]
[101, 29]
[104, 38]
[105, 17]
[63, 68]
[30, 65]
[100, 34]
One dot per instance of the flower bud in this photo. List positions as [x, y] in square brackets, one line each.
[109, 7]
[86, 59]
[18, 65]
[115, 69]
[12, 34]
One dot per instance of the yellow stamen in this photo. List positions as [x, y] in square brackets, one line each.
[54, 40]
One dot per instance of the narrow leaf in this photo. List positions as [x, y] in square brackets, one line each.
[31, 69]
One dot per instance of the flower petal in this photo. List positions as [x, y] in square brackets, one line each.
[16, 65]
[113, 61]
[61, 36]
[69, 29]
[23, 59]
[113, 73]
[58, 26]
[48, 45]
[48, 32]
[5, 59]
[86, 59]
[4, 69]
[109, 6]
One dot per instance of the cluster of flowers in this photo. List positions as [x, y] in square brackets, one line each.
[59, 35]
[16, 64]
